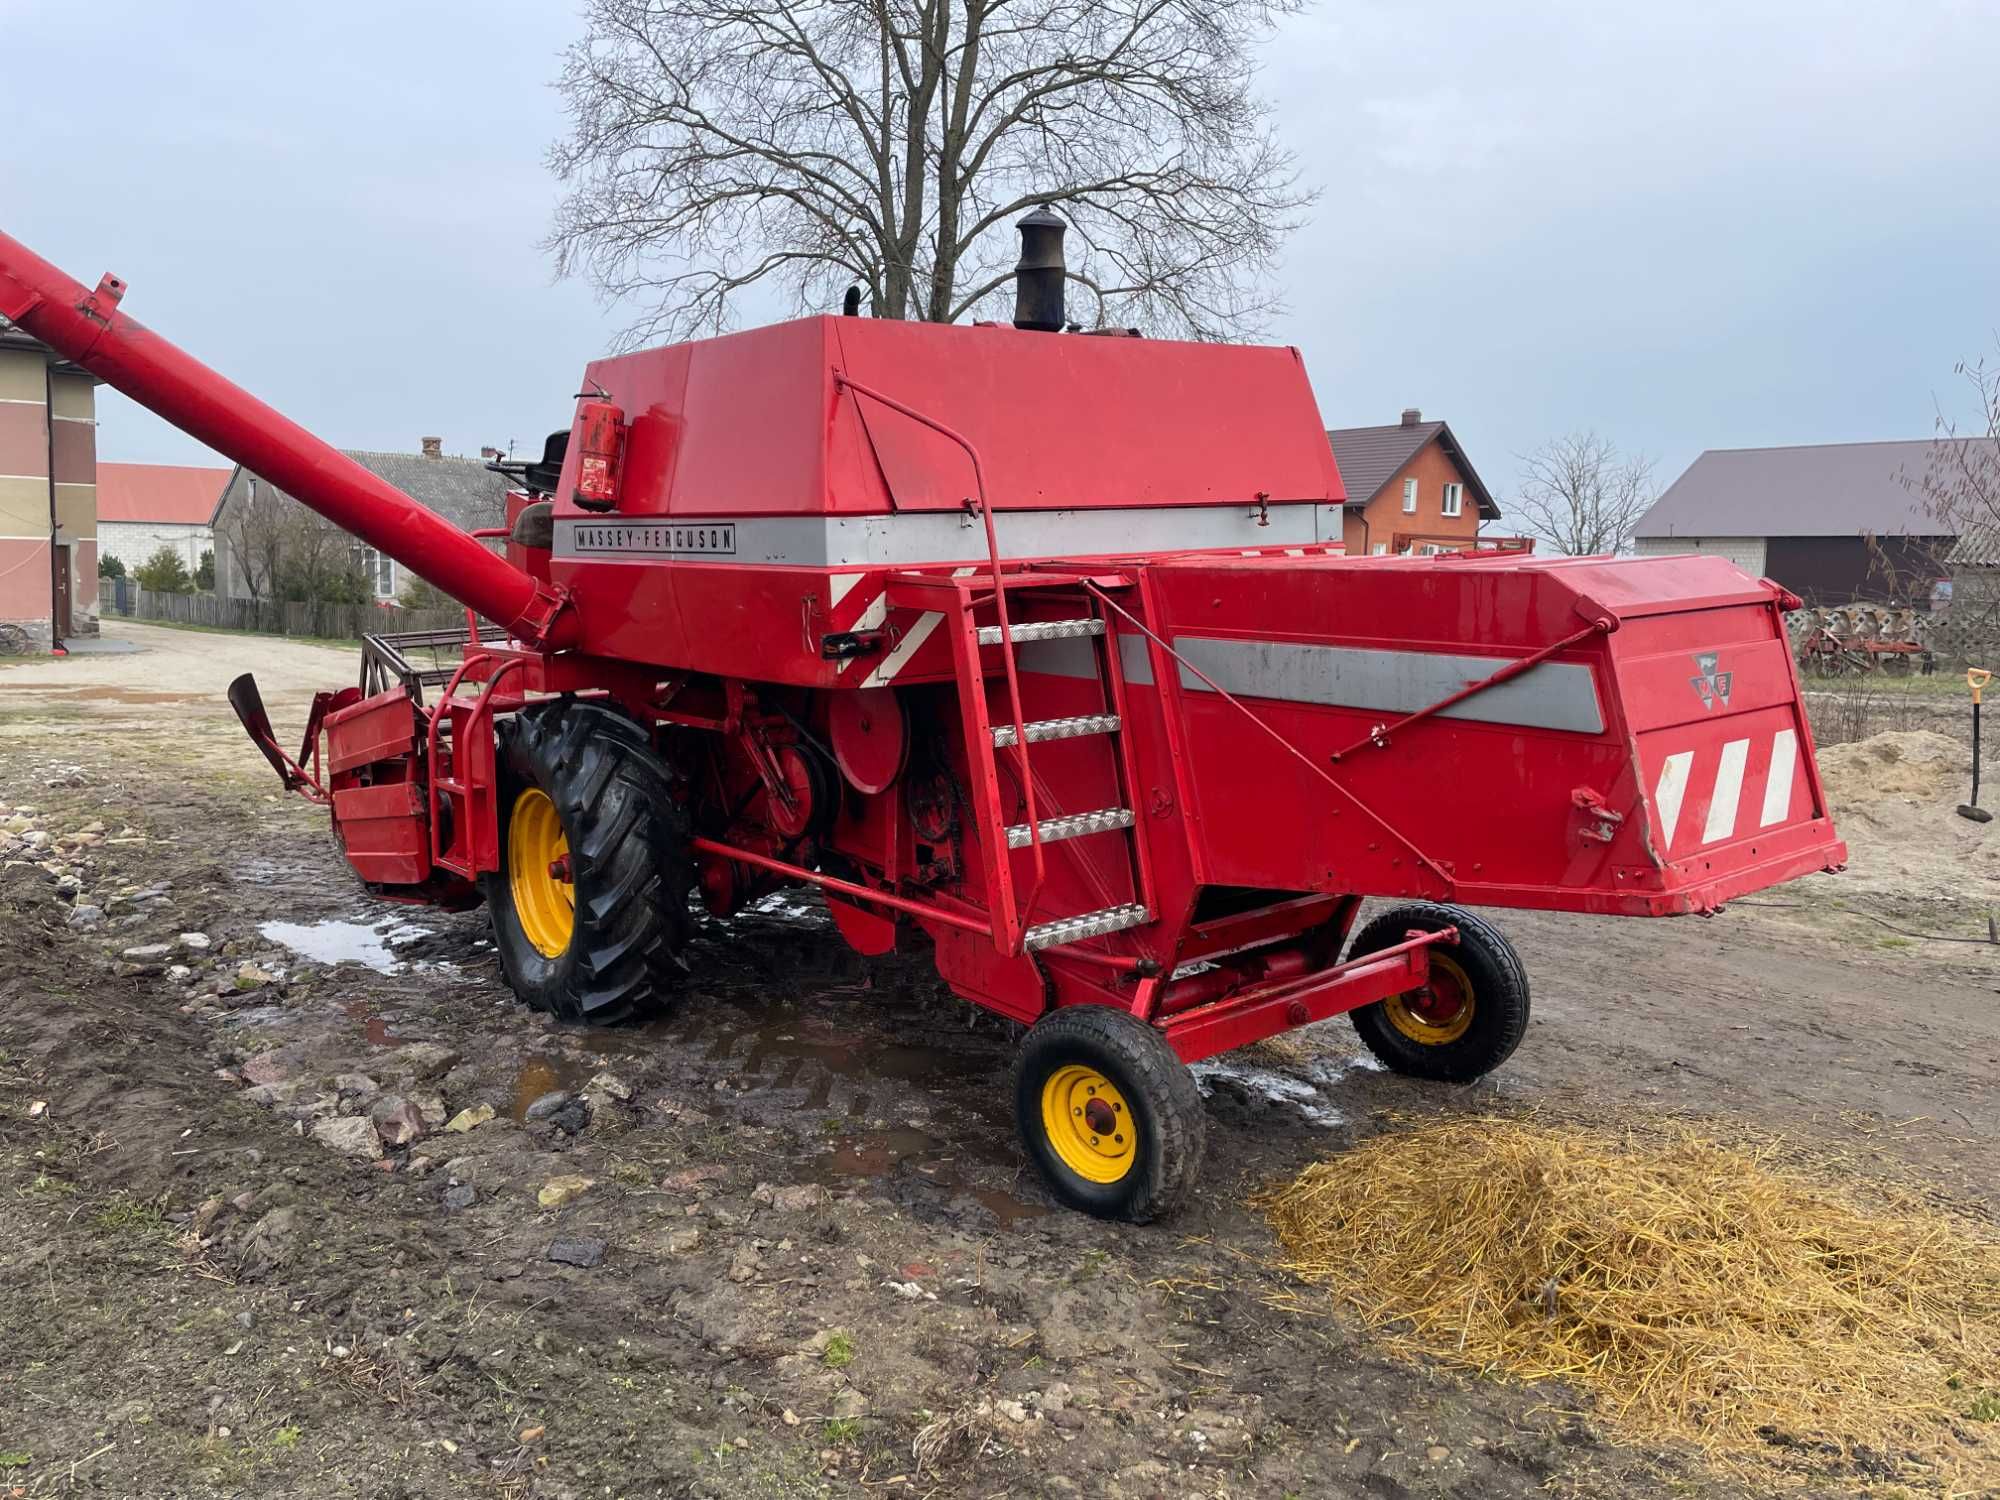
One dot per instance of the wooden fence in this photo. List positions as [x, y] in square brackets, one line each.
[340, 622]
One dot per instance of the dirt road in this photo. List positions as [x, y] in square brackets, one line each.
[781, 1243]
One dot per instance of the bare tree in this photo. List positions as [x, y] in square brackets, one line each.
[253, 530]
[1582, 496]
[1959, 490]
[810, 144]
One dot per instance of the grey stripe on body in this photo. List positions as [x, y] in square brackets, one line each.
[916, 537]
[1554, 695]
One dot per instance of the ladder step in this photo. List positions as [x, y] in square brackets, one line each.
[1087, 924]
[1057, 729]
[1041, 630]
[1071, 826]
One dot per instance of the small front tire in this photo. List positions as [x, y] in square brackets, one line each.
[1472, 1016]
[1109, 1113]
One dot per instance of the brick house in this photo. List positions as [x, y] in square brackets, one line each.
[48, 491]
[144, 507]
[1410, 488]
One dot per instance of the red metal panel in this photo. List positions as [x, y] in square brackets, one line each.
[1167, 424]
[383, 832]
[1511, 813]
[750, 424]
[379, 728]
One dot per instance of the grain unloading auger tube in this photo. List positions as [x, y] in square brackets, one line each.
[1038, 645]
[88, 328]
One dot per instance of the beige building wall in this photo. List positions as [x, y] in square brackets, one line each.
[48, 494]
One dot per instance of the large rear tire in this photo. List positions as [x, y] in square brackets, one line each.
[590, 904]
[1109, 1113]
[1472, 1016]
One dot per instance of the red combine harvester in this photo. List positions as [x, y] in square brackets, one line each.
[1039, 644]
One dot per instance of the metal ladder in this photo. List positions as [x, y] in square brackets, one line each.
[986, 740]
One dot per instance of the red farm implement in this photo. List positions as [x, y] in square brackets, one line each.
[1039, 647]
[1861, 639]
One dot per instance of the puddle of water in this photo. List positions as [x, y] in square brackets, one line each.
[334, 942]
[1270, 1086]
[878, 1153]
[541, 1075]
[1008, 1209]
[374, 1030]
[791, 906]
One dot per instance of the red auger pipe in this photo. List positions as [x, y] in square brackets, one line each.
[87, 327]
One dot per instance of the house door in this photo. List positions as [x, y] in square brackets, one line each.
[62, 591]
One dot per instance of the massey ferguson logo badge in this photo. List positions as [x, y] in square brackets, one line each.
[658, 539]
[1710, 685]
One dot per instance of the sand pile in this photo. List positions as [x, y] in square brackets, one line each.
[1697, 1290]
[1894, 797]
[1914, 763]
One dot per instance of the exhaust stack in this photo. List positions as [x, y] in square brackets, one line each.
[1038, 278]
[87, 328]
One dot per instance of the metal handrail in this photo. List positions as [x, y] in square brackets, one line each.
[1021, 906]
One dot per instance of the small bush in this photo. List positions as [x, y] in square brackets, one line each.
[109, 566]
[164, 573]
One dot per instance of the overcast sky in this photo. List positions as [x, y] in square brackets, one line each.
[1687, 226]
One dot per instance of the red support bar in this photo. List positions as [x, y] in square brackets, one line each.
[1251, 1015]
[845, 888]
[87, 327]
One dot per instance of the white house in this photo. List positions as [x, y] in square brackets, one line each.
[143, 507]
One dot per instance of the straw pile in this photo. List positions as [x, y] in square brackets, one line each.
[1696, 1290]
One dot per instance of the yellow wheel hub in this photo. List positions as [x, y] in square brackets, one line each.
[538, 873]
[1441, 1014]
[1089, 1124]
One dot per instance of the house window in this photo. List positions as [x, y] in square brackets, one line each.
[1379, 549]
[1454, 499]
[380, 569]
[1409, 497]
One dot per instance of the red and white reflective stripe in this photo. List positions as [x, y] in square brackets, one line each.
[1725, 802]
[883, 672]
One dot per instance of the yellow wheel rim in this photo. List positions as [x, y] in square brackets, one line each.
[538, 873]
[1089, 1124]
[1443, 1014]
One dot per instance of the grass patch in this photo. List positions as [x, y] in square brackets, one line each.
[841, 1429]
[1657, 1273]
[126, 1219]
[839, 1351]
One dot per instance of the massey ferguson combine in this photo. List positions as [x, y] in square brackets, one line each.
[1039, 647]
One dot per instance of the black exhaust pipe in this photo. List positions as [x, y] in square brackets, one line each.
[1038, 279]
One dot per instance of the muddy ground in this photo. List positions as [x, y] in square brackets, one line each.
[782, 1243]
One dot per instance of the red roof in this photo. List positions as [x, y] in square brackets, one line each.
[167, 494]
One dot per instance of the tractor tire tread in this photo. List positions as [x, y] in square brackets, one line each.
[631, 856]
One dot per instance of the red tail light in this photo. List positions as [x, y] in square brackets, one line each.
[601, 443]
